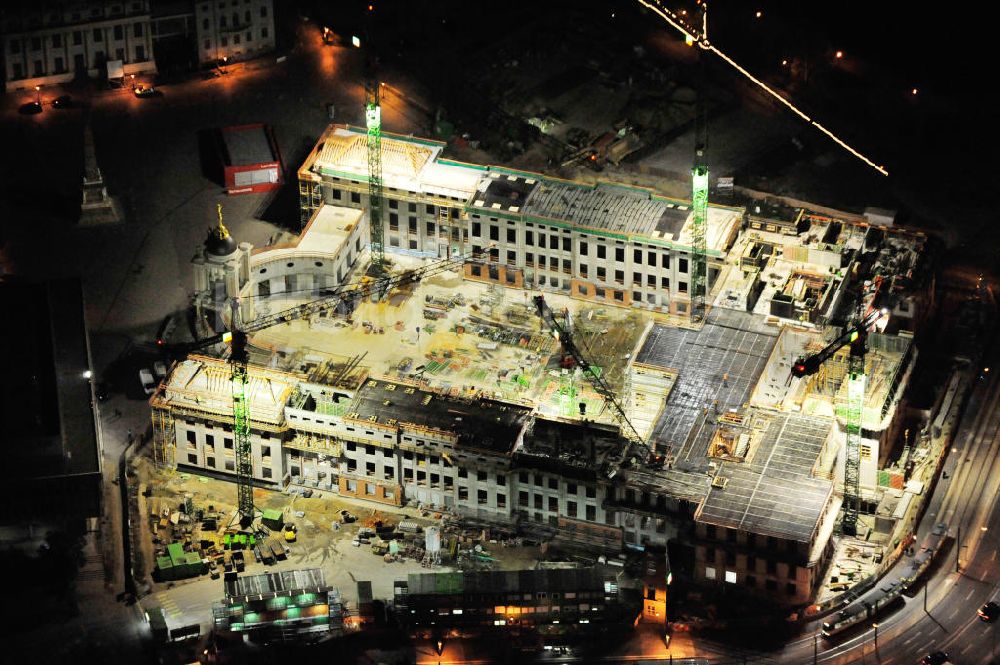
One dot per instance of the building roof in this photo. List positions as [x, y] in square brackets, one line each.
[604, 206]
[774, 493]
[247, 145]
[565, 445]
[408, 164]
[478, 423]
[310, 580]
[508, 581]
[47, 422]
[324, 235]
[717, 367]
[206, 384]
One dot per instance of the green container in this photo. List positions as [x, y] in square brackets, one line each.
[176, 553]
[273, 519]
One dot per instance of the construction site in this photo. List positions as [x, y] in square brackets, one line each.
[374, 397]
[497, 358]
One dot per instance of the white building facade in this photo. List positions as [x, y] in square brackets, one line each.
[55, 43]
[233, 30]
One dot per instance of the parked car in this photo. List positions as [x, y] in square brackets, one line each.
[141, 90]
[936, 658]
[63, 102]
[989, 612]
[160, 369]
[146, 379]
[103, 391]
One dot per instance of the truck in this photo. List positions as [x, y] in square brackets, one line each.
[238, 561]
[277, 549]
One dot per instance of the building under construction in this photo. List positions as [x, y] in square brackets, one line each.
[744, 476]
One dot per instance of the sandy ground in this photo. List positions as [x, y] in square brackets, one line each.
[450, 352]
[319, 543]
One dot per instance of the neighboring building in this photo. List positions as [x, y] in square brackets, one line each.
[608, 243]
[280, 606]
[320, 259]
[55, 42]
[251, 161]
[234, 30]
[547, 601]
[50, 425]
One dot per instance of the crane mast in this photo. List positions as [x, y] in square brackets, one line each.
[373, 123]
[239, 362]
[699, 203]
[856, 335]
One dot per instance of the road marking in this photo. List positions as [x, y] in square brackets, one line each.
[966, 647]
[969, 595]
[910, 640]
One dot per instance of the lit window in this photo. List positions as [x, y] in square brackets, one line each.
[709, 573]
[731, 576]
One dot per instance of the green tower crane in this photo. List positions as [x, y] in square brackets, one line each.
[856, 335]
[373, 122]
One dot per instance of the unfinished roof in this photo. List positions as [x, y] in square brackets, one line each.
[477, 423]
[502, 191]
[283, 583]
[606, 206]
[774, 493]
[717, 368]
[507, 581]
[408, 164]
[206, 384]
[564, 445]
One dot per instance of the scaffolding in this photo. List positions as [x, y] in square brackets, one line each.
[164, 439]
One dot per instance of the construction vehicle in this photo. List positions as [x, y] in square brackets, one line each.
[855, 334]
[291, 533]
[634, 446]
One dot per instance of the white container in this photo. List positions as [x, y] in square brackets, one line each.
[432, 540]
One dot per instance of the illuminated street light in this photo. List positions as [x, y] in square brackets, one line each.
[913, 92]
[38, 95]
[839, 55]
[87, 374]
[784, 63]
[759, 13]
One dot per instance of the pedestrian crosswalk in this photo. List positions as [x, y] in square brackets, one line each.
[169, 606]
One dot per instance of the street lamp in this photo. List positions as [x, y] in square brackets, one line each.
[875, 626]
[225, 59]
[38, 95]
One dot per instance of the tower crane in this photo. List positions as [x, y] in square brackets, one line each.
[373, 122]
[856, 335]
[240, 364]
[633, 443]
[699, 202]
